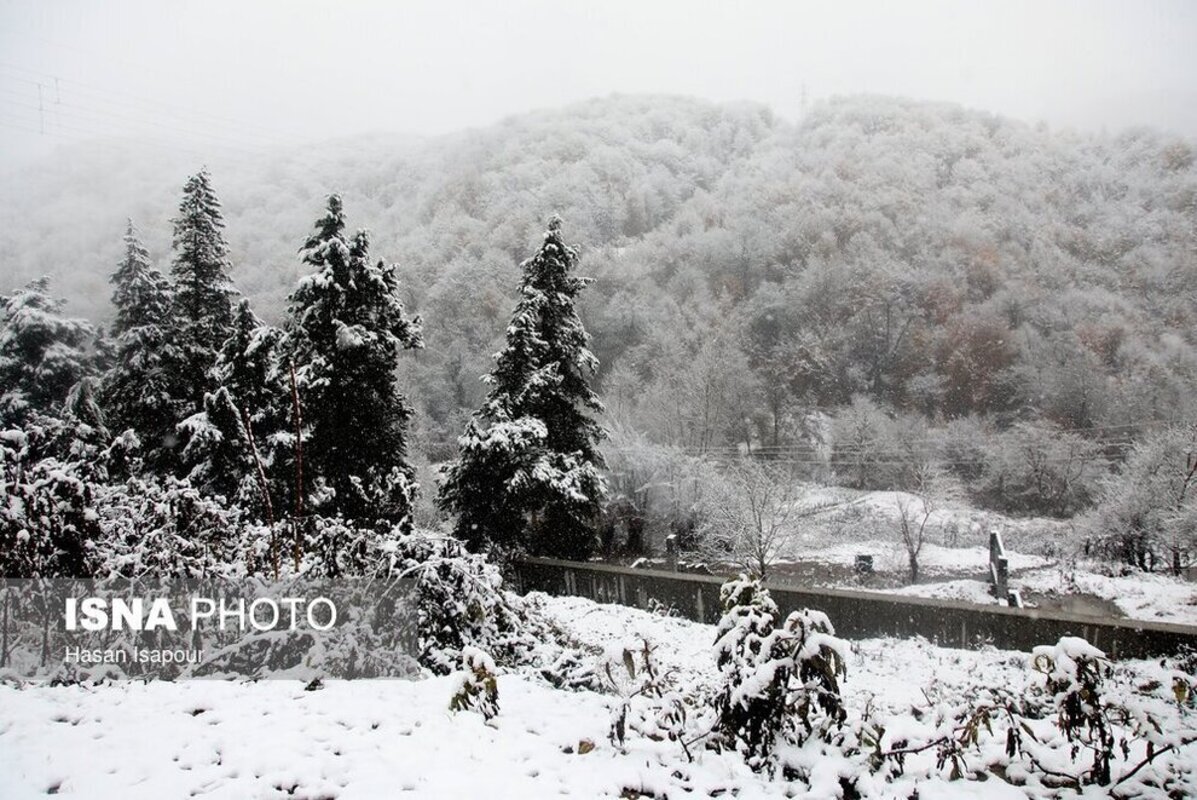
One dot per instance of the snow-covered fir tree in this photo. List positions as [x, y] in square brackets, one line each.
[345, 331]
[247, 365]
[136, 390]
[527, 473]
[218, 457]
[203, 291]
[142, 295]
[42, 353]
[232, 443]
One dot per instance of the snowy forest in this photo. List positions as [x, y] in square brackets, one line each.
[647, 331]
[885, 295]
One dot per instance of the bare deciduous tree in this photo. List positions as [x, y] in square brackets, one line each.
[753, 520]
[915, 510]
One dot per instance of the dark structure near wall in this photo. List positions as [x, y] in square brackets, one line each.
[861, 615]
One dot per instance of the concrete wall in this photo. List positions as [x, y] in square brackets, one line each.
[860, 615]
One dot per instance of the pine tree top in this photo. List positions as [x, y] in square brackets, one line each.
[203, 288]
[546, 353]
[348, 298]
[32, 312]
[200, 216]
[142, 295]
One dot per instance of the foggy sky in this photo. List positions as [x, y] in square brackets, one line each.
[250, 75]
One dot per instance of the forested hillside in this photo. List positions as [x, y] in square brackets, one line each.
[910, 268]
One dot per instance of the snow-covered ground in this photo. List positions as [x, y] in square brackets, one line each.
[374, 739]
[890, 556]
[851, 515]
[1160, 598]
[954, 560]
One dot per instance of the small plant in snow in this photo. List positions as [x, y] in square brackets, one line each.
[661, 609]
[650, 704]
[477, 689]
[777, 681]
[809, 641]
[1075, 671]
[459, 601]
[1136, 731]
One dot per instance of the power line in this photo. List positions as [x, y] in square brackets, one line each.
[93, 116]
[119, 97]
[88, 137]
[94, 111]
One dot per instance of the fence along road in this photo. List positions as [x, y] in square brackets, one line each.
[862, 615]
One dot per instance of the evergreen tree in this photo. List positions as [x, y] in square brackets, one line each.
[42, 353]
[48, 526]
[51, 467]
[247, 365]
[528, 468]
[137, 388]
[233, 442]
[218, 456]
[345, 331]
[203, 291]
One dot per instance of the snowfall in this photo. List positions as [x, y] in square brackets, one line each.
[393, 738]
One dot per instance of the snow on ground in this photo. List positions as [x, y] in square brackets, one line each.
[965, 591]
[954, 560]
[1160, 598]
[890, 556]
[849, 514]
[372, 739]
[1144, 596]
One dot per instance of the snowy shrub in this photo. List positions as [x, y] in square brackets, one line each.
[460, 603]
[777, 681]
[816, 658]
[477, 689]
[47, 528]
[750, 710]
[650, 702]
[1133, 723]
[330, 546]
[1075, 671]
[166, 528]
[48, 472]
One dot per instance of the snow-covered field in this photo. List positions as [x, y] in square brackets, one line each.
[954, 561]
[375, 739]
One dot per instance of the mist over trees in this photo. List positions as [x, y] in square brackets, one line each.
[881, 288]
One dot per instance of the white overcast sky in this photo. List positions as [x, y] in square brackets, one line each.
[246, 74]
